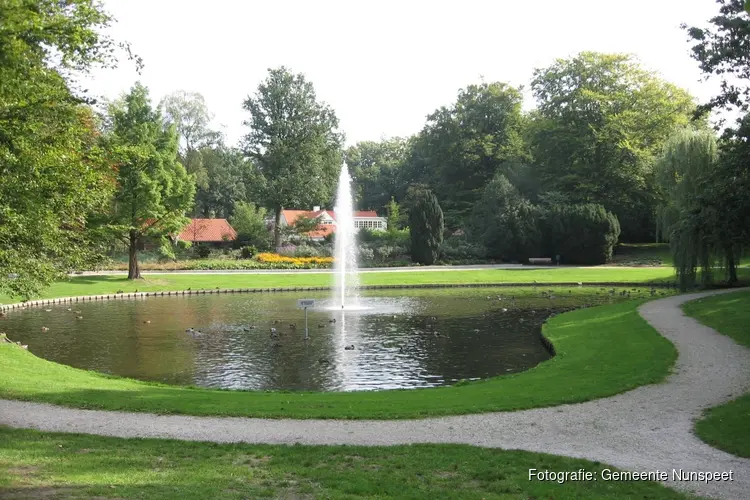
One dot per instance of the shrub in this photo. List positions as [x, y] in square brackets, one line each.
[426, 224]
[248, 252]
[202, 250]
[580, 234]
[506, 222]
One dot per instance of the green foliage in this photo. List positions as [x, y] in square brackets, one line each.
[153, 189]
[202, 250]
[395, 218]
[704, 213]
[505, 222]
[248, 252]
[293, 143]
[462, 146]
[601, 123]
[250, 223]
[723, 51]
[426, 226]
[53, 176]
[375, 168]
[580, 234]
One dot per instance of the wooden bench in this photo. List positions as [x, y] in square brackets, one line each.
[540, 260]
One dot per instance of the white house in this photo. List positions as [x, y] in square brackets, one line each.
[364, 218]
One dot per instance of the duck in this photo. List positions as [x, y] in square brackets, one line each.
[321, 325]
[146, 321]
[293, 326]
[274, 333]
[276, 321]
[190, 330]
[504, 309]
[79, 317]
[332, 320]
[69, 309]
[48, 310]
[45, 329]
[323, 361]
[78, 312]
[119, 291]
[349, 348]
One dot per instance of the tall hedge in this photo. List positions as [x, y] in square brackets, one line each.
[506, 223]
[426, 225]
[580, 234]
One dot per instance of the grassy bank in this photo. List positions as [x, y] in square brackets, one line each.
[93, 285]
[35, 464]
[601, 351]
[725, 426]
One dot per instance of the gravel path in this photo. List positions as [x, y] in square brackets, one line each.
[646, 429]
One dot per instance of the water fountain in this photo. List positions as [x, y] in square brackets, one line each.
[345, 255]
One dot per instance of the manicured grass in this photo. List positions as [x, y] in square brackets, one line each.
[601, 351]
[94, 285]
[726, 426]
[728, 314]
[35, 464]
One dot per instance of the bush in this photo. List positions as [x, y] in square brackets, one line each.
[580, 234]
[248, 252]
[458, 249]
[202, 250]
[505, 222]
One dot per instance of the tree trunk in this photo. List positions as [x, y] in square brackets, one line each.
[731, 265]
[277, 229]
[134, 271]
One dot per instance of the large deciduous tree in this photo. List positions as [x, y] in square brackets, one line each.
[723, 52]
[601, 122]
[293, 143]
[52, 175]
[696, 216]
[464, 145]
[153, 189]
[376, 169]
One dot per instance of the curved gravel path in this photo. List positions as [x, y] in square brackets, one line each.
[646, 429]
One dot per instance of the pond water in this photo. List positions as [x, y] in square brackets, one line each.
[400, 338]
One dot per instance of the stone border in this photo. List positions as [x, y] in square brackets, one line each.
[189, 292]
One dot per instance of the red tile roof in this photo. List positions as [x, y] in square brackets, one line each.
[322, 230]
[208, 230]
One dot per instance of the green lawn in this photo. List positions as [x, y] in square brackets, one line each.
[47, 465]
[601, 351]
[94, 285]
[726, 426]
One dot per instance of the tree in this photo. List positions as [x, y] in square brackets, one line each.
[375, 168]
[227, 171]
[250, 223]
[293, 143]
[685, 171]
[600, 125]
[153, 189]
[426, 226]
[463, 146]
[53, 176]
[395, 219]
[505, 222]
[723, 51]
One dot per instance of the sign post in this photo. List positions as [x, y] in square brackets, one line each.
[305, 303]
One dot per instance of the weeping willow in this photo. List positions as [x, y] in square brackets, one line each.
[688, 166]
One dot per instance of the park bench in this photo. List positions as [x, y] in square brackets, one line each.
[540, 260]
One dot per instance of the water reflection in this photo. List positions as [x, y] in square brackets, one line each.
[431, 338]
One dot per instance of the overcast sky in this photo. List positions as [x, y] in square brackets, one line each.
[384, 65]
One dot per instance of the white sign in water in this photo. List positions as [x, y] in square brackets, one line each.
[305, 303]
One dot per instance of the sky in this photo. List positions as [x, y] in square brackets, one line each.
[384, 65]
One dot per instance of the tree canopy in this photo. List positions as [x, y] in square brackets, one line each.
[153, 189]
[293, 143]
[601, 122]
[52, 173]
[723, 52]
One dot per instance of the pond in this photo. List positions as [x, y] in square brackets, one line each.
[400, 339]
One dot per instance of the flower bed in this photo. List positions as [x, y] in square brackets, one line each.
[273, 258]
